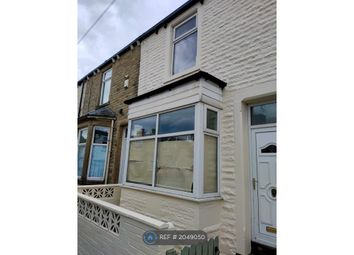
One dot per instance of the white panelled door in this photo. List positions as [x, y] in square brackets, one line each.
[264, 187]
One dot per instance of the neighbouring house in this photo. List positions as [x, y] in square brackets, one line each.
[200, 151]
[102, 116]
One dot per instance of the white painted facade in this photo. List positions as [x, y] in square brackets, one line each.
[237, 44]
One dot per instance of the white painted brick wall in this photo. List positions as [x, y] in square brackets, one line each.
[182, 213]
[153, 59]
[237, 45]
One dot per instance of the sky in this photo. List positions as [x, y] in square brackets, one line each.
[123, 22]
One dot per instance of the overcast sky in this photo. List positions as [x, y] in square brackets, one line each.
[123, 22]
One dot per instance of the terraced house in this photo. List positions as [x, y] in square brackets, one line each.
[200, 147]
[102, 116]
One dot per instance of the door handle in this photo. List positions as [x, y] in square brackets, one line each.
[254, 183]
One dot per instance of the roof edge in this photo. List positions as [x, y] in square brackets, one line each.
[194, 76]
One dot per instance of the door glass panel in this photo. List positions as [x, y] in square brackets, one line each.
[177, 121]
[143, 127]
[263, 114]
[175, 162]
[270, 149]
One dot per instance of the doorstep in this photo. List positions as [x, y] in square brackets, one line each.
[261, 249]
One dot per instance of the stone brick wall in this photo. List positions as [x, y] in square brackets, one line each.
[127, 64]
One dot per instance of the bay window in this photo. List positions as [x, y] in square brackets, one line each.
[175, 152]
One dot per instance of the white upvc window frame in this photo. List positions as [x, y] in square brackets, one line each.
[213, 133]
[81, 145]
[106, 156]
[180, 38]
[206, 129]
[198, 157]
[104, 80]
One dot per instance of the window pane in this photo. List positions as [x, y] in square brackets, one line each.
[210, 164]
[263, 114]
[105, 91]
[185, 53]
[98, 161]
[177, 121]
[212, 120]
[175, 162]
[80, 159]
[143, 127]
[101, 135]
[83, 136]
[189, 25]
[140, 164]
[108, 74]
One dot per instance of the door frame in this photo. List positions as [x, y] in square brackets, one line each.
[253, 173]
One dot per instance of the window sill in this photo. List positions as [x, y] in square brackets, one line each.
[181, 75]
[102, 105]
[163, 193]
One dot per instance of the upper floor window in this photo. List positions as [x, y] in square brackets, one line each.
[185, 45]
[106, 86]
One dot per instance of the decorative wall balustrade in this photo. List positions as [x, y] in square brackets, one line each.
[98, 192]
[108, 192]
[98, 215]
[108, 229]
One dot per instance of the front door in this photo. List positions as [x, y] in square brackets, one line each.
[264, 187]
[263, 148]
